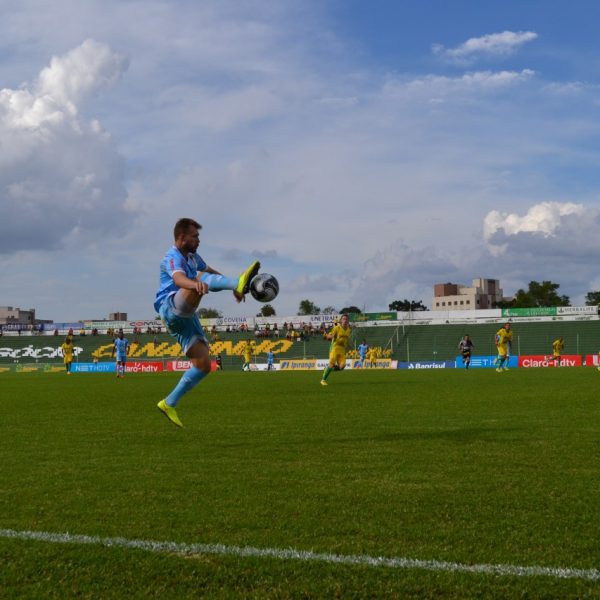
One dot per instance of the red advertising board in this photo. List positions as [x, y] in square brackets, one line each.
[143, 367]
[184, 365]
[592, 360]
[545, 360]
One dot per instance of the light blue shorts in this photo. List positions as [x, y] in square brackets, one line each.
[121, 357]
[187, 330]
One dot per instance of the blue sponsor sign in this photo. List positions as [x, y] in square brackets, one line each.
[486, 362]
[428, 364]
[61, 326]
[101, 367]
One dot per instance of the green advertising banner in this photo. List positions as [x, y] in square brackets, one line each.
[541, 311]
[376, 316]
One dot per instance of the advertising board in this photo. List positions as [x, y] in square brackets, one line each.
[297, 364]
[486, 362]
[427, 364]
[184, 365]
[545, 360]
[100, 367]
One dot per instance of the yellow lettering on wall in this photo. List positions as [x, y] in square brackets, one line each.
[159, 351]
[166, 349]
[275, 347]
[103, 351]
[222, 347]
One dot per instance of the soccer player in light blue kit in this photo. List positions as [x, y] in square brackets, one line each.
[121, 346]
[362, 353]
[270, 356]
[184, 279]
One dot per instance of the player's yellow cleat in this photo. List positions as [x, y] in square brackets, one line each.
[244, 282]
[323, 382]
[170, 413]
[498, 369]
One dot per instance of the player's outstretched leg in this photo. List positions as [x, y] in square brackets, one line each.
[239, 285]
[192, 340]
[243, 285]
[189, 380]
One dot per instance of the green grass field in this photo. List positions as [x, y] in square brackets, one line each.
[466, 467]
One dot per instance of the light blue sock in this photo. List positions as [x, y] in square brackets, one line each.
[190, 379]
[217, 283]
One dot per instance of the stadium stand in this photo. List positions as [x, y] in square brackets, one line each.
[402, 342]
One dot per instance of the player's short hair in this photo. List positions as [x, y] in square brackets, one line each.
[183, 225]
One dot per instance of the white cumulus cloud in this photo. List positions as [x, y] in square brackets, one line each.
[59, 173]
[493, 44]
[542, 221]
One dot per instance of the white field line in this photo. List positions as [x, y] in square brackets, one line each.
[158, 547]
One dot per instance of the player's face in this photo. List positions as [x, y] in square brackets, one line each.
[191, 240]
[344, 321]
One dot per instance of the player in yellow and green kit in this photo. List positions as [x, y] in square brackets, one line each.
[340, 337]
[67, 352]
[247, 355]
[504, 344]
[557, 348]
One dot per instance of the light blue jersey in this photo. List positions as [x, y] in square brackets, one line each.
[270, 358]
[175, 261]
[362, 351]
[121, 346]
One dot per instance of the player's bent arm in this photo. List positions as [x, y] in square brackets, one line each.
[184, 282]
[211, 271]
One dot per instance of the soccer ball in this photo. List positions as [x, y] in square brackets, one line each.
[264, 287]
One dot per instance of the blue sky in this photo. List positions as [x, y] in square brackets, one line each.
[363, 151]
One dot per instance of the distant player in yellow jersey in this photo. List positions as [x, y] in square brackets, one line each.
[67, 352]
[504, 345]
[557, 348]
[247, 355]
[340, 337]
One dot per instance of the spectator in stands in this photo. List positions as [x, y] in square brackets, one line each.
[219, 362]
[184, 279]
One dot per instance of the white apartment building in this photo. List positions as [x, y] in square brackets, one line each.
[483, 293]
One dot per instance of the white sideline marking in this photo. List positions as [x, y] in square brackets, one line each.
[291, 554]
